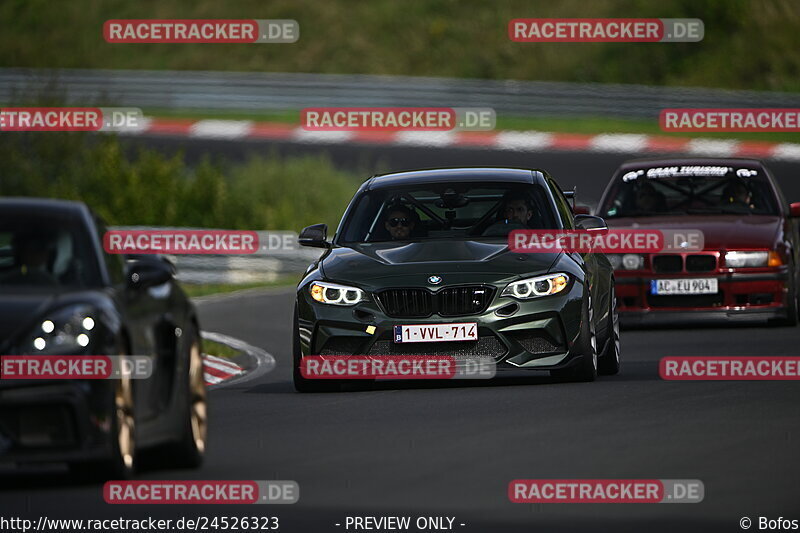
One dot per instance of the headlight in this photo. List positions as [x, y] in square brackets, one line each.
[526, 289]
[63, 332]
[632, 261]
[626, 261]
[752, 259]
[335, 294]
[615, 260]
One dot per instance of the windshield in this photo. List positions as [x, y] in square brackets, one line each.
[447, 211]
[690, 190]
[45, 251]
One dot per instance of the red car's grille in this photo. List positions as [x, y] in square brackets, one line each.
[672, 263]
[701, 263]
[667, 263]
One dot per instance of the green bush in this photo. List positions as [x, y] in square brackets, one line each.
[149, 188]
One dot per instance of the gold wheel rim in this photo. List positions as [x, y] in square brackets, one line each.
[593, 334]
[197, 389]
[123, 402]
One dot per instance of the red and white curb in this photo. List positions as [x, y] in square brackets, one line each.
[527, 141]
[216, 369]
[220, 372]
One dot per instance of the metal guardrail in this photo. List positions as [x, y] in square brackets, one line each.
[248, 92]
[263, 266]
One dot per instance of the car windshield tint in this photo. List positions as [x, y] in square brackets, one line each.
[46, 252]
[690, 190]
[452, 211]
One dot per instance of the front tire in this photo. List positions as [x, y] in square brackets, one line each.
[122, 462]
[302, 384]
[586, 369]
[608, 364]
[191, 448]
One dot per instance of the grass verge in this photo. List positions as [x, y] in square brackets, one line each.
[219, 350]
[206, 289]
[194, 290]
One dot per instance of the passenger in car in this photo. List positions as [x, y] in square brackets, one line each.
[737, 194]
[649, 200]
[400, 222]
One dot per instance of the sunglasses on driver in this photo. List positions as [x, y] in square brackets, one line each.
[394, 222]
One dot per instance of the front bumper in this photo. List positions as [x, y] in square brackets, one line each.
[540, 334]
[741, 296]
[54, 420]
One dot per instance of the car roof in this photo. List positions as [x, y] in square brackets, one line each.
[49, 205]
[455, 175]
[693, 161]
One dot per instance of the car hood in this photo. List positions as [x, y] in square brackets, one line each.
[720, 232]
[414, 262]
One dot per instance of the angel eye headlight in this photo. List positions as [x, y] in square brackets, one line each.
[525, 289]
[632, 261]
[626, 261]
[335, 294]
[615, 260]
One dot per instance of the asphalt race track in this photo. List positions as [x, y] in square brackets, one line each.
[451, 450]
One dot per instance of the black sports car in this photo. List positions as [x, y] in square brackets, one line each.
[430, 248]
[61, 294]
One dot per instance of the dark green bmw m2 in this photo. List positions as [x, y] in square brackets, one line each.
[420, 264]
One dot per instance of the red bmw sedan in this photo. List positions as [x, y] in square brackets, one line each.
[747, 268]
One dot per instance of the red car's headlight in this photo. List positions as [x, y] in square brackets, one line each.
[753, 259]
[626, 261]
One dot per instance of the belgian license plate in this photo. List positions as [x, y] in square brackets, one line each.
[467, 331]
[684, 286]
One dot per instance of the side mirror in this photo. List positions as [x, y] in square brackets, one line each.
[794, 209]
[590, 223]
[582, 210]
[315, 236]
[149, 273]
